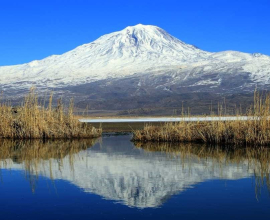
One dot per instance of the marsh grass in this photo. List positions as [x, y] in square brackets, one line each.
[34, 120]
[255, 131]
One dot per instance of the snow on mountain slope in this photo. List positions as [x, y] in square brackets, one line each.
[138, 49]
[131, 50]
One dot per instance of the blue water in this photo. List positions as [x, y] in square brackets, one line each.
[116, 180]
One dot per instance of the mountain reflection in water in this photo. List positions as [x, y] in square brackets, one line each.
[137, 175]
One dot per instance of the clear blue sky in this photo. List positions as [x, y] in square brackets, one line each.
[35, 29]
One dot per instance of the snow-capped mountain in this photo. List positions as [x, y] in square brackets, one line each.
[132, 50]
[137, 49]
[140, 60]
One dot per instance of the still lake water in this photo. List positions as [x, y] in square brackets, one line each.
[112, 178]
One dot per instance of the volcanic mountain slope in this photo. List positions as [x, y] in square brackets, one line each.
[141, 60]
[132, 50]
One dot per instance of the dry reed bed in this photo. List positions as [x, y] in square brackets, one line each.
[33, 120]
[255, 131]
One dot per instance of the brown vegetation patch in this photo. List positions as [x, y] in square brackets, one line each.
[255, 131]
[33, 120]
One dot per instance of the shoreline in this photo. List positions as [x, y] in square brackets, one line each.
[166, 119]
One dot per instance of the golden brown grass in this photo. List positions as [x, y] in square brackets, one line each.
[32, 120]
[255, 131]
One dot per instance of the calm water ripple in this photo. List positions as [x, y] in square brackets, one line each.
[113, 178]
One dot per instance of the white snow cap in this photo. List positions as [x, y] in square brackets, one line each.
[135, 49]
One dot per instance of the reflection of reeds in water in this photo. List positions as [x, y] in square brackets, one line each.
[256, 159]
[34, 154]
[255, 131]
[34, 120]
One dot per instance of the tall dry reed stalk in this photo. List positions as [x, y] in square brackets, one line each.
[32, 120]
[255, 131]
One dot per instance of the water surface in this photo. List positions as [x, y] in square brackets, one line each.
[166, 119]
[113, 178]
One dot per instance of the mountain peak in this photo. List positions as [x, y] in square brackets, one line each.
[149, 29]
[135, 49]
[142, 26]
[147, 39]
[140, 49]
